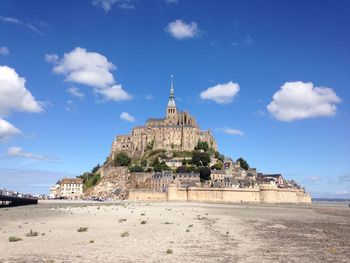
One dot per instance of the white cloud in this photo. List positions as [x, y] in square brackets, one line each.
[18, 152]
[248, 40]
[10, 20]
[81, 66]
[221, 93]
[4, 51]
[342, 192]
[231, 131]
[299, 100]
[75, 92]
[115, 93]
[127, 117]
[314, 178]
[91, 69]
[181, 30]
[107, 4]
[171, 1]
[70, 106]
[149, 97]
[344, 178]
[7, 130]
[52, 58]
[15, 21]
[13, 94]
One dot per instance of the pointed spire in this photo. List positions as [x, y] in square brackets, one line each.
[172, 95]
[171, 102]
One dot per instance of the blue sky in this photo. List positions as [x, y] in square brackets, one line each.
[269, 78]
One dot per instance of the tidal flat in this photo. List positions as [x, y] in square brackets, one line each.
[64, 231]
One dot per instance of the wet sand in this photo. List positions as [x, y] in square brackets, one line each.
[175, 232]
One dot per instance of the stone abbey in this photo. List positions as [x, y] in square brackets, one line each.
[177, 131]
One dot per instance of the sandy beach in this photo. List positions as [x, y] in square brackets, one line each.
[175, 232]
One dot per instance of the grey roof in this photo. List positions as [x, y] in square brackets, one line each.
[155, 119]
[191, 175]
[162, 175]
[272, 175]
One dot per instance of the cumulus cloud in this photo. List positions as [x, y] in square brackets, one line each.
[221, 93]
[18, 152]
[7, 130]
[75, 92]
[115, 93]
[181, 30]
[127, 117]
[4, 51]
[13, 94]
[231, 131]
[299, 100]
[90, 69]
[107, 4]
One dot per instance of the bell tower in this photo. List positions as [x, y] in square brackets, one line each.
[171, 110]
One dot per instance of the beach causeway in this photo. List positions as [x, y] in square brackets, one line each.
[64, 231]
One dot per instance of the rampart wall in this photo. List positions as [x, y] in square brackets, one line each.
[231, 195]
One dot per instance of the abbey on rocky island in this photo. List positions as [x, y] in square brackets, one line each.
[177, 131]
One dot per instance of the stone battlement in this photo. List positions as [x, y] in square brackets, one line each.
[229, 195]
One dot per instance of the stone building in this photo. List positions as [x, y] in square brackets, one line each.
[71, 188]
[178, 130]
[161, 180]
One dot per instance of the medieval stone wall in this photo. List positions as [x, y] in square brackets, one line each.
[230, 195]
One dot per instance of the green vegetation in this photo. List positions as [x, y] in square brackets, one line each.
[143, 222]
[122, 159]
[136, 169]
[202, 146]
[182, 154]
[82, 229]
[150, 145]
[243, 163]
[169, 251]
[96, 168]
[32, 233]
[124, 234]
[160, 166]
[14, 239]
[219, 156]
[90, 180]
[218, 166]
[204, 173]
[200, 158]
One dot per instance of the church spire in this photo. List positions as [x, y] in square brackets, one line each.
[172, 95]
[171, 102]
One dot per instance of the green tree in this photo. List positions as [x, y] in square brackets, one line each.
[136, 169]
[181, 169]
[200, 158]
[143, 163]
[202, 146]
[217, 166]
[243, 163]
[95, 169]
[122, 159]
[204, 173]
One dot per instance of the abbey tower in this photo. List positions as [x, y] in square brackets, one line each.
[177, 131]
